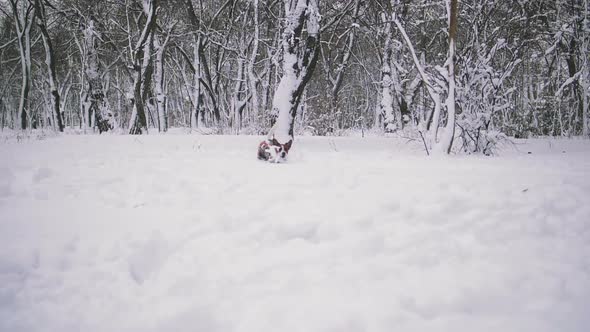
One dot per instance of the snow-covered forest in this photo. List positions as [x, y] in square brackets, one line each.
[519, 68]
[429, 165]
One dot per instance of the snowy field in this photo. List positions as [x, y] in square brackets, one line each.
[192, 233]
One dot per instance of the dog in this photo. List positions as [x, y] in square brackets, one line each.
[272, 151]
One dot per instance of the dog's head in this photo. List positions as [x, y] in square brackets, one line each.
[273, 151]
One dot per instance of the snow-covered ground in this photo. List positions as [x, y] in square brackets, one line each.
[192, 233]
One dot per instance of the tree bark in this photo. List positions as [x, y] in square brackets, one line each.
[446, 142]
[196, 91]
[585, 79]
[238, 101]
[432, 121]
[141, 64]
[252, 78]
[386, 103]
[195, 114]
[24, 16]
[95, 108]
[298, 66]
[161, 97]
[50, 62]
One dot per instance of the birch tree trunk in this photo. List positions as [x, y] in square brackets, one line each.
[386, 103]
[238, 103]
[147, 80]
[299, 60]
[161, 98]
[64, 92]
[196, 92]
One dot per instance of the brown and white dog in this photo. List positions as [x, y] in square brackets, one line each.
[272, 151]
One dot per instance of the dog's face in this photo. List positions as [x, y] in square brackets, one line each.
[277, 154]
[273, 151]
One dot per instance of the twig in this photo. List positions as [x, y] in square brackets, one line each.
[333, 145]
[424, 141]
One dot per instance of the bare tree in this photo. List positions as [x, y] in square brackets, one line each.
[336, 55]
[242, 65]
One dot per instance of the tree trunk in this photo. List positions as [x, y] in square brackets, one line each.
[161, 98]
[141, 64]
[50, 62]
[386, 103]
[24, 16]
[238, 103]
[196, 114]
[448, 135]
[585, 79]
[95, 108]
[432, 121]
[252, 79]
[196, 92]
[3, 113]
[298, 65]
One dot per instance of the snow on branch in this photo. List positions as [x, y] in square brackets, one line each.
[569, 81]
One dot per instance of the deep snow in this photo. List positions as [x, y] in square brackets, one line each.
[193, 233]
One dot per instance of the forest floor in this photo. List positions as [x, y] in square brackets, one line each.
[193, 233]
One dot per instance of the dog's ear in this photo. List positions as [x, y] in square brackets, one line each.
[274, 142]
[287, 146]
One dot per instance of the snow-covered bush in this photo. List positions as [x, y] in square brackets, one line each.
[483, 97]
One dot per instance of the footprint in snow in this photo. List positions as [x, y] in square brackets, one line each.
[42, 174]
[148, 258]
[6, 180]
